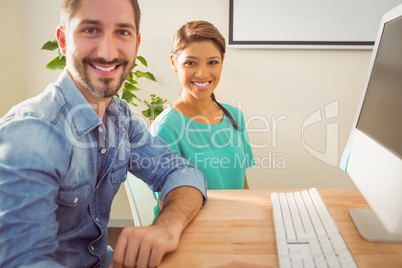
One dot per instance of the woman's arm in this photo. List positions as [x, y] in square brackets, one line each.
[246, 183]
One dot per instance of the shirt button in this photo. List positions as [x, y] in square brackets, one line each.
[92, 248]
[96, 219]
[75, 200]
[103, 151]
[100, 129]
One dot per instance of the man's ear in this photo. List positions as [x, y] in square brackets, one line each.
[173, 63]
[138, 42]
[61, 39]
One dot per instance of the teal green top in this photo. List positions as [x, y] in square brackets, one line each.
[219, 151]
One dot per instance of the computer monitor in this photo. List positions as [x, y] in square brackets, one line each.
[374, 150]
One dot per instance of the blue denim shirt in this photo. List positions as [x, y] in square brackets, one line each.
[61, 166]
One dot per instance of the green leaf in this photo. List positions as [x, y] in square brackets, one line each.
[130, 87]
[57, 63]
[127, 95]
[155, 107]
[132, 102]
[147, 75]
[146, 113]
[51, 45]
[131, 80]
[160, 102]
[143, 60]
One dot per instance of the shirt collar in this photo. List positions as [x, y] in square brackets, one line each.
[80, 113]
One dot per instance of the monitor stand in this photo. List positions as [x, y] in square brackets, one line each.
[370, 228]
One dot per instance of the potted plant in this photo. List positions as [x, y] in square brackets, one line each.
[154, 107]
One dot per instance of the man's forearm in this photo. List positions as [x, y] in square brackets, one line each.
[181, 206]
[146, 246]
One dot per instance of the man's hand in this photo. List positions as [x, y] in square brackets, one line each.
[143, 246]
[146, 246]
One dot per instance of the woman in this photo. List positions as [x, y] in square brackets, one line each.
[212, 136]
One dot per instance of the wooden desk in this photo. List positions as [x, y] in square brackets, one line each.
[236, 225]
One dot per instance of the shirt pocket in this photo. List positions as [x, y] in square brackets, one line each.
[118, 176]
[72, 196]
[73, 202]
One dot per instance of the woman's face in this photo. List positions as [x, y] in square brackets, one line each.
[199, 67]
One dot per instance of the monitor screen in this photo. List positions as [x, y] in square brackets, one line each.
[380, 116]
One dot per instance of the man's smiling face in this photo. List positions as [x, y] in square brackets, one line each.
[101, 45]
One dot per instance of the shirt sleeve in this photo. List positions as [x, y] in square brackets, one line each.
[162, 168]
[30, 162]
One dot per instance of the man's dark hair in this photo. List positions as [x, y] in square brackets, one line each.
[68, 7]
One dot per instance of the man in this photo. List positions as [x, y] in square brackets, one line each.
[64, 154]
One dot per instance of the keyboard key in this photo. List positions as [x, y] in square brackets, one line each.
[287, 219]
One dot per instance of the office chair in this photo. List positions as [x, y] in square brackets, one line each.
[141, 199]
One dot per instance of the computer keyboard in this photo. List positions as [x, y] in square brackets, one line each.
[306, 234]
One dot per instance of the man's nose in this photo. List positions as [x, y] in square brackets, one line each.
[107, 48]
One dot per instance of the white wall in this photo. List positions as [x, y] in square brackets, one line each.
[39, 21]
[269, 85]
[12, 71]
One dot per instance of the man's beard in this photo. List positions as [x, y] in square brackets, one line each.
[106, 89]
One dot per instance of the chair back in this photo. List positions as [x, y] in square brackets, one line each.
[141, 199]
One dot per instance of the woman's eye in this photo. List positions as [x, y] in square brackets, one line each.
[214, 62]
[189, 63]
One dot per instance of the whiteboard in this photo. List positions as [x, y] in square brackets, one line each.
[351, 24]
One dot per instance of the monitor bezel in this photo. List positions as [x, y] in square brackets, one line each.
[369, 162]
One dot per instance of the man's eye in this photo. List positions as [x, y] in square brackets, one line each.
[90, 30]
[123, 32]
